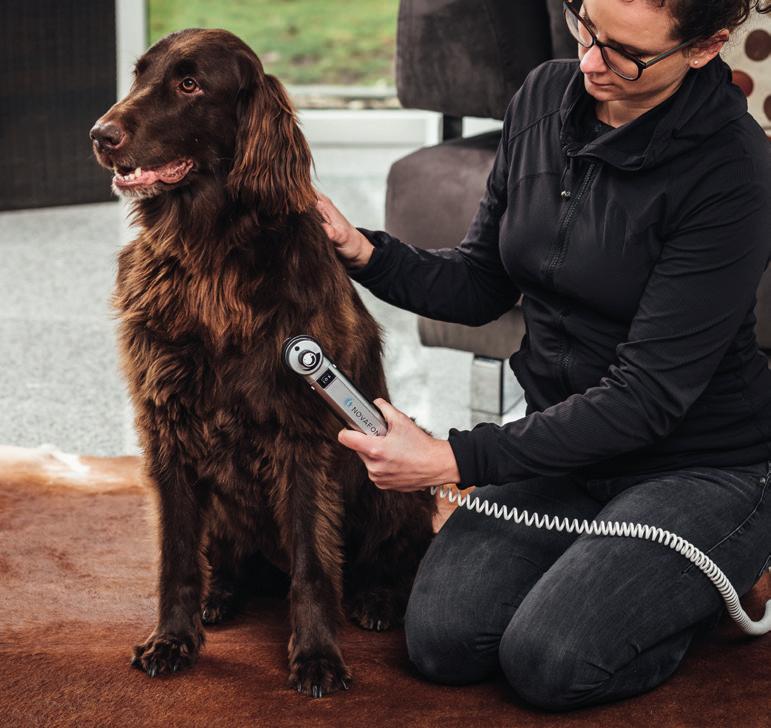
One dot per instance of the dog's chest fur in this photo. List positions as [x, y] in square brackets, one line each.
[198, 343]
[179, 299]
[201, 345]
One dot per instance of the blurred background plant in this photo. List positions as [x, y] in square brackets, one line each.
[303, 42]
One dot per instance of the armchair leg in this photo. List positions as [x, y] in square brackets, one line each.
[494, 388]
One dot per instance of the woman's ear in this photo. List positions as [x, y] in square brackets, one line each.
[272, 164]
[701, 53]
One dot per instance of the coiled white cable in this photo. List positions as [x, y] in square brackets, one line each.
[616, 528]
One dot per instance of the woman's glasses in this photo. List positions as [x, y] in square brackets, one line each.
[617, 60]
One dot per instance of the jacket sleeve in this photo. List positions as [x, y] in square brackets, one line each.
[465, 285]
[701, 289]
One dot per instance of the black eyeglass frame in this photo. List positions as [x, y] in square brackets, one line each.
[641, 65]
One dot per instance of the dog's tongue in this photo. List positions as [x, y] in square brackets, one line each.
[173, 172]
[168, 173]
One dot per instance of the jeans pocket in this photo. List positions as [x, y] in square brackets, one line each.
[760, 476]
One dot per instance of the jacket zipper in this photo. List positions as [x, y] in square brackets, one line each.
[562, 234]
[556, 260]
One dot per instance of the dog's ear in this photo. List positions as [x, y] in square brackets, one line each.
[272, 163]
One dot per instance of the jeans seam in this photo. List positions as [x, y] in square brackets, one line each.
[764, 480]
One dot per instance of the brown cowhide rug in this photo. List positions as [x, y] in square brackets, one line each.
[77, 590]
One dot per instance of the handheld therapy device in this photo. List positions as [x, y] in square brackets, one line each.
[304, 355]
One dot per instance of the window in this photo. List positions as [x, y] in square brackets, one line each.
[338, 43]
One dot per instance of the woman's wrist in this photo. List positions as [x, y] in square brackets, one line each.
[364, 252]
[448, 466]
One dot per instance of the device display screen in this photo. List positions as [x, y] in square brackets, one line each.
[326, 379]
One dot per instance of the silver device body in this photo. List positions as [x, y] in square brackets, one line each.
[304, 356]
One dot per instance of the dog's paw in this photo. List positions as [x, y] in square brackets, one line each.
[377, 609]
[319, 675]
[218, 607]
[164, 653]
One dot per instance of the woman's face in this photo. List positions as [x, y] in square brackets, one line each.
[641, 28]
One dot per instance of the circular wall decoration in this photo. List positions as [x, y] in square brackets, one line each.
[749, 55]
[743, 81]
[758, 45]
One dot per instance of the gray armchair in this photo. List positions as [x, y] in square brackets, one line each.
[467, 58]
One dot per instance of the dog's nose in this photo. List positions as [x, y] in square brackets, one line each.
[108, 135]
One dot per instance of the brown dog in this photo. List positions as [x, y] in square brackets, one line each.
[230, 261]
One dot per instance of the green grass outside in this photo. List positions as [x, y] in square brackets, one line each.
[347, 42]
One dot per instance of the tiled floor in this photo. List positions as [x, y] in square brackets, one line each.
[60, 382]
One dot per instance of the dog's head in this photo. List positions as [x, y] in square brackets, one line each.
[202, 111]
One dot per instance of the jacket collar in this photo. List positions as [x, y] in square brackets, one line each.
[705, 102]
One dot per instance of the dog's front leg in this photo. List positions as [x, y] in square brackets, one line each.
[176, 640]
[310, 512]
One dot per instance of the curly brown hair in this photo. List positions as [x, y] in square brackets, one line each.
[701, 19]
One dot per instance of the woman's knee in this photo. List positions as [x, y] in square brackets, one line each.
[559, 665]
[547, 669]
[444, 646]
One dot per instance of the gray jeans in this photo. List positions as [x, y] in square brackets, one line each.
[575, 621]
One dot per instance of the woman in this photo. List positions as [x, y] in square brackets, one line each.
[629, 204]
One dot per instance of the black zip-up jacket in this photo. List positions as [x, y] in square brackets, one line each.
[638, 256]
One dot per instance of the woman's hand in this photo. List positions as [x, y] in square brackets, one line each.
[405, 459]
[350, 244]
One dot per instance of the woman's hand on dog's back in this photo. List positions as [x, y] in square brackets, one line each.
[352, 247]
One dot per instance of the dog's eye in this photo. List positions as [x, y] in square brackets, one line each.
[188, 85]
